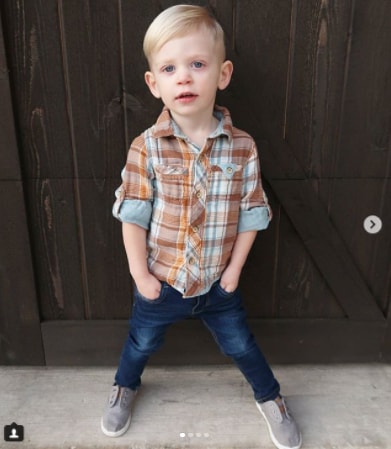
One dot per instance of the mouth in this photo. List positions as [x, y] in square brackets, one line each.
[186, 96]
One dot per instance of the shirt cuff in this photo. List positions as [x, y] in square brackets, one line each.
[133, 211]
[255, 219]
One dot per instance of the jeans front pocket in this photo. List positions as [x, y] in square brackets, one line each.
[158, 300]
[223, 293]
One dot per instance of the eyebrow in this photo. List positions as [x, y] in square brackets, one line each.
[190, 58]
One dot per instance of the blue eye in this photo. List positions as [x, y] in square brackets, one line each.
[197, 64]
[168, 68]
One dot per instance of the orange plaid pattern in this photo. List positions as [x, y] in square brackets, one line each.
[193, 201]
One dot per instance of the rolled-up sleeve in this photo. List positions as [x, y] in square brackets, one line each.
[134, 197]
[255, 212]
[255, 219]
[134, 211]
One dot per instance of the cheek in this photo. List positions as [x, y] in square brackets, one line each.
[155, 90]
[163, 87]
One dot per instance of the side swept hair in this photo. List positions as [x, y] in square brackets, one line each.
[177, 21]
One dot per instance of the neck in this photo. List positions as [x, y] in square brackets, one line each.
[197, 130]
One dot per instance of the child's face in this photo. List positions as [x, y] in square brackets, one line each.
[186, 73]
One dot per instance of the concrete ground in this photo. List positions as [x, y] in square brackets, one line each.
[208, 407]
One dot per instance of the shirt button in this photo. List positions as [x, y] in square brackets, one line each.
[191, 261]
[195, 228]
[198, 194]
[229, 170]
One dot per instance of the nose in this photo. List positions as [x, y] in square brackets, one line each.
[183, 75]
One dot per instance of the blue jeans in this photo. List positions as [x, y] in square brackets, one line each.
[223, 315]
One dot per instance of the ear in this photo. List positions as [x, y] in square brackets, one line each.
[151, 83]
[225, 74]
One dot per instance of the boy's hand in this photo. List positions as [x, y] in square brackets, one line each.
[230, 279]
[149, 286]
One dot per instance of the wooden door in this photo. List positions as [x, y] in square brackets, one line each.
[312, 85]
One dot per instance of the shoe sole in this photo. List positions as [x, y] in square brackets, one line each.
[119, 432]
[273, 438]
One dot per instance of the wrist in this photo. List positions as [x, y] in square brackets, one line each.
[140, 276]
[234, 267]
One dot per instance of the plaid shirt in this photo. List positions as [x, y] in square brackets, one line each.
[193, 201]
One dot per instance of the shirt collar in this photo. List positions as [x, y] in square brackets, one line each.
[166, 127]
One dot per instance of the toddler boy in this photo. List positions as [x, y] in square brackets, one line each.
[191, 203]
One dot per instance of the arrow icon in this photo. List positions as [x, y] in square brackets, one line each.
[373, 224]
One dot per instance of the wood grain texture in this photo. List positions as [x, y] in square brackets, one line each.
[55, 248]
[319, 44]
[90, 44]
[9, 159]
[20, 334]
[352, 201]
[19, 316]
[364, 145]
[37, 76]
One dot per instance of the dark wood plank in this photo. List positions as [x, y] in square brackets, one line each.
[365, 127]
[47, 159]
[99, 343]
[20, 332]
[56, 248]
[33, 44]
[280, 278]
[257, 281]
[108, 286]
[316, 82]
[9, 160]
[327, 248]
[349, 202]
[301, 288]
[90, 44]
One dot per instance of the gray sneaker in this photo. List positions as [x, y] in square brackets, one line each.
[282, 427]
[116, 417]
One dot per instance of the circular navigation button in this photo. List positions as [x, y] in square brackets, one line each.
[373, 224]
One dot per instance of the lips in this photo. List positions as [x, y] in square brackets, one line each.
[185, 96]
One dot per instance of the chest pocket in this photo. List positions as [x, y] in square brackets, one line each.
[227, 170]
[171, 182]
[225, 181]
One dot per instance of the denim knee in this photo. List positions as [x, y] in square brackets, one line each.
[237, 347]
[145, 340]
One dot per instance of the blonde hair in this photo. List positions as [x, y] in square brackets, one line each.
[177, 21]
